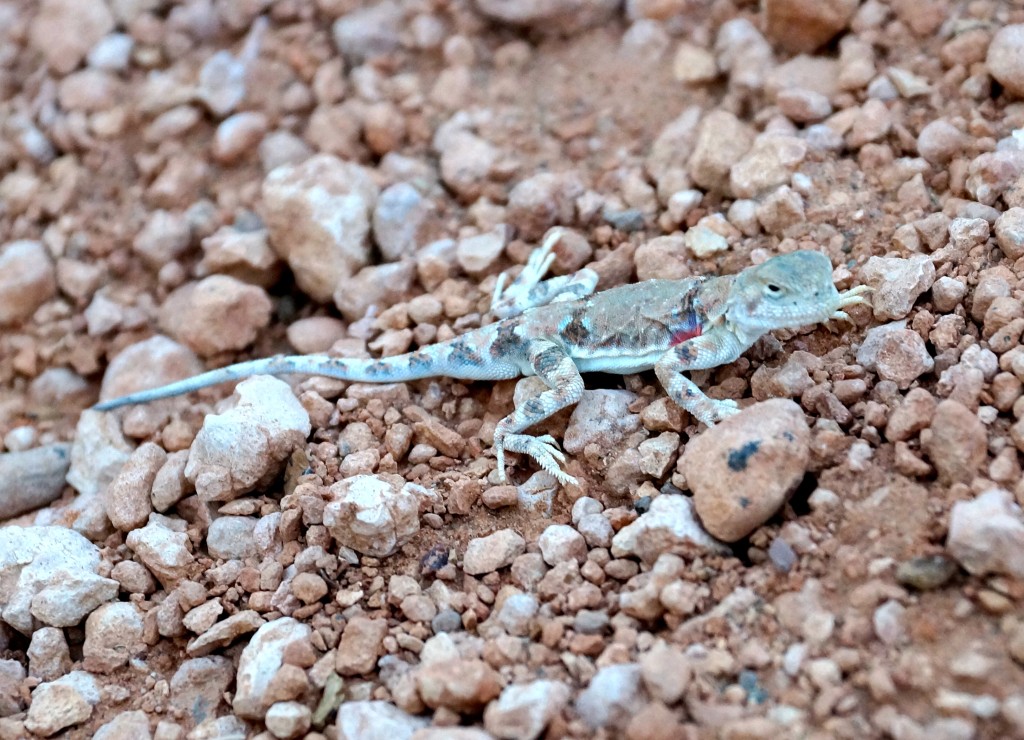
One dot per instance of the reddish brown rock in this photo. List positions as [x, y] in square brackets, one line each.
[805, 25]
[27, 280]
[127, 499]
[360, 645]
[241, 310]
[464, 686]
[743, 469]
[956, 442]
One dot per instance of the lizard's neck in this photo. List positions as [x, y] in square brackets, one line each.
[712, 299]
[734, 314]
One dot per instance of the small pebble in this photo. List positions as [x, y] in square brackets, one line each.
[927, 572]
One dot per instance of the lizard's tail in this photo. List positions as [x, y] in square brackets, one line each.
[456, 359]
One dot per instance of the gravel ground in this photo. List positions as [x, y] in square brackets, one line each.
[183, 186]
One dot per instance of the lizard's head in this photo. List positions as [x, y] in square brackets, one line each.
[787, 292]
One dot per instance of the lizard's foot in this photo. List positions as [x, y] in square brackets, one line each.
[516, 297]
[712, 410]
[851, 297]
[544, 450]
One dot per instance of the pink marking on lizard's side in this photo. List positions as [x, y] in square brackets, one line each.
[685, 335]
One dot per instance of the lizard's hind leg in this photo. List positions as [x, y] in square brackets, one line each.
[527, 290]
[552, 365]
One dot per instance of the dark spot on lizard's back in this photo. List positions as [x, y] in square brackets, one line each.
[574, 328]
[739, 457]
[462, 352]
[377, 368]
[506, 339]
[419, 360]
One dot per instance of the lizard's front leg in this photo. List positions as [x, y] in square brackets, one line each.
[699, 353]
[527, 290]
[553, 365]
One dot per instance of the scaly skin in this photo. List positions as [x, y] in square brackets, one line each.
[557, 329]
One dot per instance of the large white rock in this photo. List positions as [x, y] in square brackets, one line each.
[62, 703]
[373, 514]
[260, 660]
[524, 710]
[612, 696]
[244, 447]
[162, 550]
[318, 218]
[98, 452]
[48, 575]
[375, 720]
[986, 535]
[669, 524]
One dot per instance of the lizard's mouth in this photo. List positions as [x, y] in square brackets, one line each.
[832, 308]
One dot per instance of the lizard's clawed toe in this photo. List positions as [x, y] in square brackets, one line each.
[716, 410]
[513, 298]
[564, 478]
[854, 296]
[543, 450]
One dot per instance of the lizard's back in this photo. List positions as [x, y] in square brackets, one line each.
[623, 329]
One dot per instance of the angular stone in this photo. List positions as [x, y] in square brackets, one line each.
[668, 526]
[360, 646]
[113, 635]
[163, 551]
[805, 25]
[245, 447]
[986, 535]
[897, 284]
[260, 660]
[523, 711]
[488, 554]
[27, 280]
[612, 696]
[223, 633]
[722, 140]
[462, 685]
[318, 217]
[955, 442]
[50, 575]
[373, 514]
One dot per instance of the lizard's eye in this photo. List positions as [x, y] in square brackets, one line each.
[772, 289]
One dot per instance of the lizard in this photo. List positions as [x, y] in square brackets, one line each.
[559, 328]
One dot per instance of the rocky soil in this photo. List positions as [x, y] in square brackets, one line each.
[183, 186]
